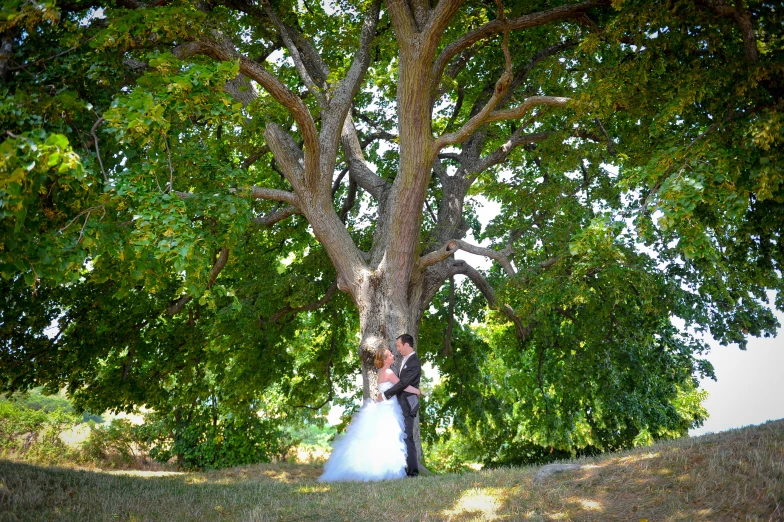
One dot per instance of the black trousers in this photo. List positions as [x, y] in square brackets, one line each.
[412, 460]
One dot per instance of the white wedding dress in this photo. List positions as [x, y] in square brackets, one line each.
[373, 447]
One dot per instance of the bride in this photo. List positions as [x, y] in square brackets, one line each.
[373, 447]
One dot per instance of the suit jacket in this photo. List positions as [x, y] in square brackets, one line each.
[409, 376]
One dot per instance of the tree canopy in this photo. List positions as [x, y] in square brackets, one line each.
[237, 202]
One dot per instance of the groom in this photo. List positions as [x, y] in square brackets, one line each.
[410, 372]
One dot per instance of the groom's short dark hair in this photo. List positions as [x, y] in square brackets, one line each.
[407, 339]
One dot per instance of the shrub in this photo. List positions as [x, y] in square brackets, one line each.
[34, 434]
[199, 440]
[117, 444]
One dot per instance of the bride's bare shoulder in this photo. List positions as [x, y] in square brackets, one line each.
[390, 376]
[385, 375]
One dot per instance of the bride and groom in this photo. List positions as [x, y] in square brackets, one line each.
[379, 442]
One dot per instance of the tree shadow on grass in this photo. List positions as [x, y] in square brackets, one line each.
[730, 476]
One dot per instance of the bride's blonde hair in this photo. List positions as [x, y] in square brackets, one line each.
[378, 360]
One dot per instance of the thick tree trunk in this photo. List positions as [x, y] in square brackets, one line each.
[382, 321]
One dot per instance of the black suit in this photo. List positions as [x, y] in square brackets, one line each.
[409, 376]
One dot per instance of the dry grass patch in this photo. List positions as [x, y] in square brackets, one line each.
[736, 475]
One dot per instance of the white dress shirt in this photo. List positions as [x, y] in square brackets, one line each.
[403, 363]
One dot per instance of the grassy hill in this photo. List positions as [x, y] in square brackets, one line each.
[735, 475]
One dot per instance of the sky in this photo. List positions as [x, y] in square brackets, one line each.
[749, 386]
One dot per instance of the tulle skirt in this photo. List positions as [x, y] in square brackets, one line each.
[373, 447]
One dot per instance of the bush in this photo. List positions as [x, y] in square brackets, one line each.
[200, 441]
[34, 434]
[117, 444]
[35, 400]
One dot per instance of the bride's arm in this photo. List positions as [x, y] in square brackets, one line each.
[410, 389]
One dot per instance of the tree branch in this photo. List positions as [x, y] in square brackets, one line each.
[610, 146]
[351, 199]
[255, 193]
[500, 256]
[338, 180]
[450, 156]
[525, 71]
[241, 89]
[253, 158]
[380, 135]
[276, 216]
[457, 107]
[360, 171]
[529, 103]
[221, 49]
[291, 160]
[436, 256]
[501, 153]
[348, 87]
[449, 249]
[220, 262]
[461, 267]
[273, 195]
[499, 93]
[6, 52]
[288, 309]
[97, 151]
[403, 21]
[439, 20]
[743, 19]
[316, 90]
[497, 26]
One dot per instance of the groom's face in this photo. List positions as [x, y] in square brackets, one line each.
[403, 349]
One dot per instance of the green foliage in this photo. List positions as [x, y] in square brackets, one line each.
[123, 180]
[116, 443]
[314, 435]
[35, 400]
[38, 167]
[700, 120]
[206, 438]
[34, 434]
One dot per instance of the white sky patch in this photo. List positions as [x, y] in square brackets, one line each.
[749, 388]
[486, 210]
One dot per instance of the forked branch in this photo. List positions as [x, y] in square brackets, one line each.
[288, 309]
[499, 93]
[220, 262]
[461, 267]
[221, 49]
[317, 90]
[498, 25]
[452, 246]
[255, 193]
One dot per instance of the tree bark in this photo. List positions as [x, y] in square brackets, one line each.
[380, 326]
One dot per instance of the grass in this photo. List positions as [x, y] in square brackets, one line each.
[735, 475]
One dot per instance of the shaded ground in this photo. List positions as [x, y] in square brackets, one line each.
[736, 475]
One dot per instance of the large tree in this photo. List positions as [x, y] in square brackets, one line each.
[161, 160]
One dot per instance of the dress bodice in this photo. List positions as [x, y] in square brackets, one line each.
[384, 386]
